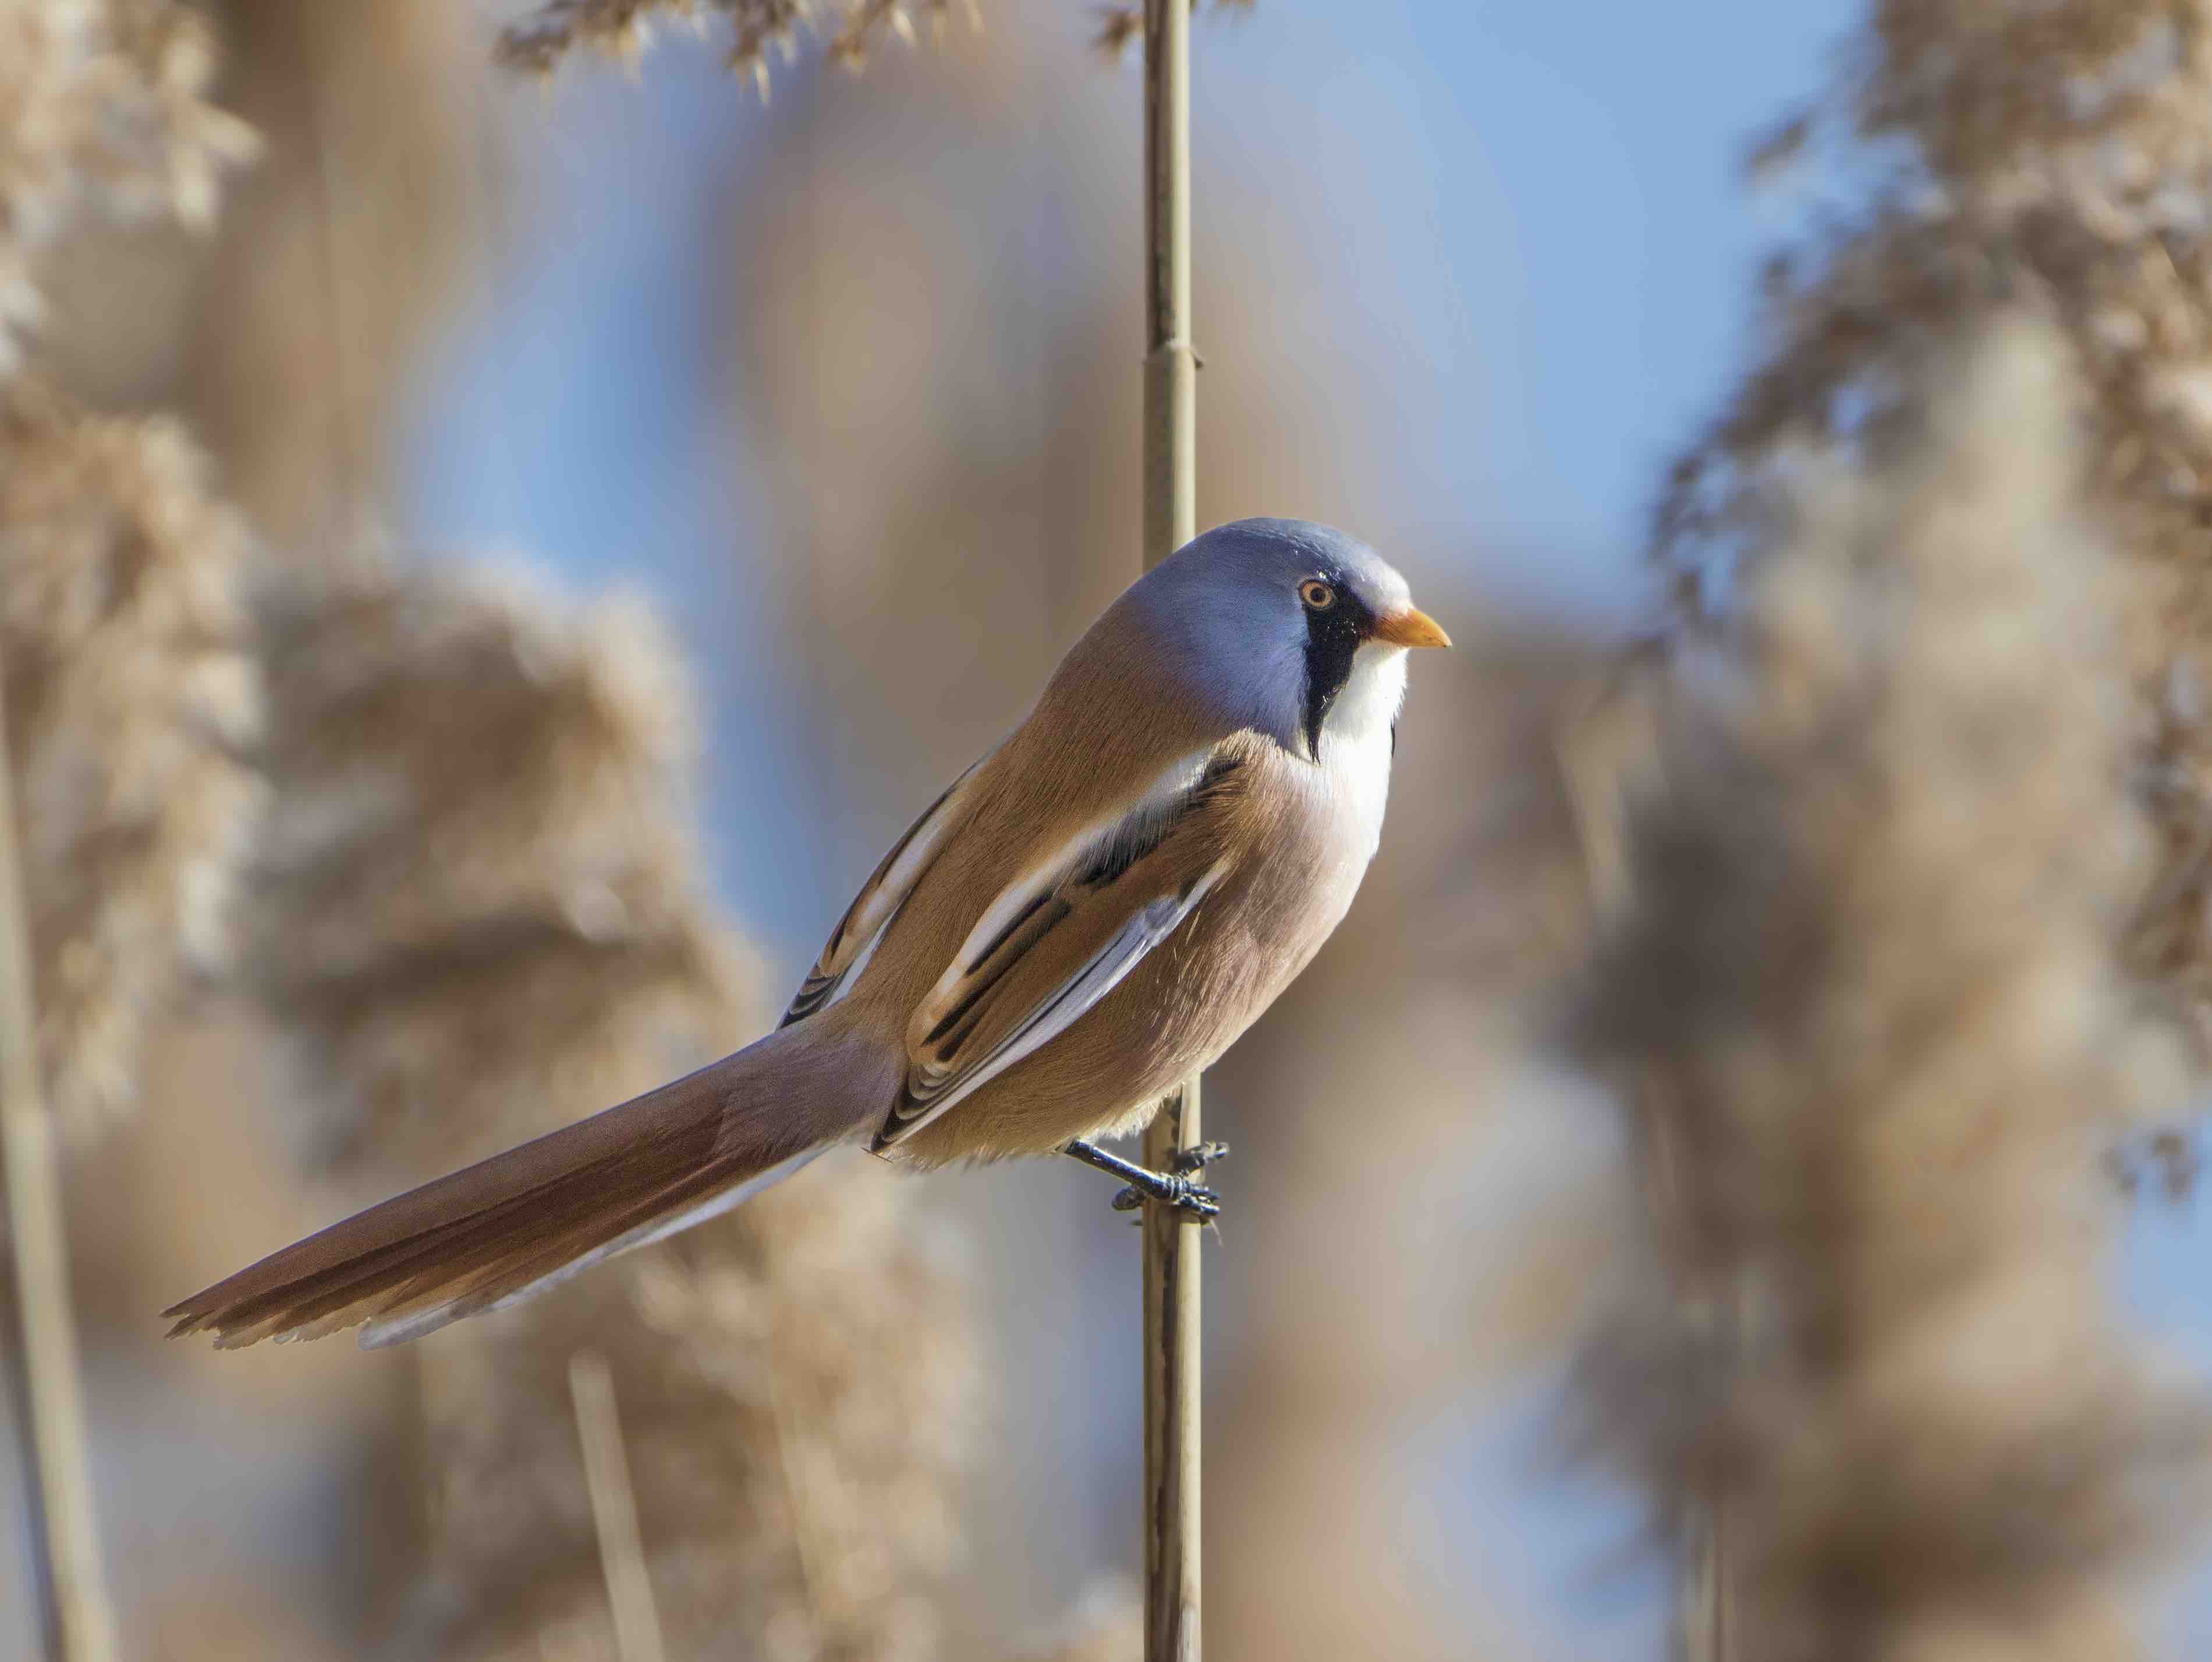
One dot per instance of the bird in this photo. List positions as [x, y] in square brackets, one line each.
[1091, 914]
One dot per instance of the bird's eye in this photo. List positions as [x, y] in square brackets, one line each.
[1317, 594]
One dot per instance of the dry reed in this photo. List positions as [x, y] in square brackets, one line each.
[2056, 156]
[482, 914]
[1120, 26]
[130, 690]
[623, 29]
[344, 252]
[1862, 984]
[799, 1392]
[102, 113]
[478, 914]
[477, 911]
[129, 683]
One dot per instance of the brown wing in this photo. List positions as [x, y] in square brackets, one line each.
[1062, 937]
[881, 897]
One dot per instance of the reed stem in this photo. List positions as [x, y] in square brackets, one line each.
[74, 1619]
[614, 1509]
[1172, 1238]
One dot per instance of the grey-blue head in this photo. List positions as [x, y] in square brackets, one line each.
[1288, 627]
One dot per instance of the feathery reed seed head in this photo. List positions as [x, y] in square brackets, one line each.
[130, 693]
[1120, 25]
[1863, 986]
[798, 1388]
[478, 908]
[621, 29]
[102, 110]
[481, 915]
[2056, 157]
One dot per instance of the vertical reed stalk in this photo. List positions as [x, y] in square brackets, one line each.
[1172, 1238]
[1707, 1626]
[1607, 738]
[41, 1345]
[614, 1509]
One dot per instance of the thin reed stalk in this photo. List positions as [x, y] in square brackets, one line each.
[74, 1620]
[1172, 1238]
[614, 1509]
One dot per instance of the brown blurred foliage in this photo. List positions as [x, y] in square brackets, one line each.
[284, 334]
[130, 690]
[478, 909]
[621, 29]
[130, 686]
[2051, 156]
[103, 116]
[479, 915]
[798, 1389]
[1912, 1378]
[1863, 987]
[477, 906]
[344, 251]
[1119, 25]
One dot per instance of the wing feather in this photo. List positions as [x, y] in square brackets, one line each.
[880, 898]
[1060, 939]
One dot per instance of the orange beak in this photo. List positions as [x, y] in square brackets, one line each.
[1411, 628]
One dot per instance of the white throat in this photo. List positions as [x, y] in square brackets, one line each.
[1364, 709]
[1354, 776]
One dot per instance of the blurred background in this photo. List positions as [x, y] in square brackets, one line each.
[490, 559]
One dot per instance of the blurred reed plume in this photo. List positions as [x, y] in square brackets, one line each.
[477, 908]
[621, 29]
[2051, 155]
[799, 1388]
[1863, 986]
[101, 115]
[344, 251]
[1121, 24]
[126, 691]
[131, 689]
[478, 913]
[129, 682]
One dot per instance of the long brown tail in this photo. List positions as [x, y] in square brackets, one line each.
[519, 1222]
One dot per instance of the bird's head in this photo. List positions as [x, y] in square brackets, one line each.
[1299, 629]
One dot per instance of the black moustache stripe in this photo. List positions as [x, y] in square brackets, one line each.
[1332, 636]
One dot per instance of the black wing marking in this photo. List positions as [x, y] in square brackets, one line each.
[945, 1065]
[878, 903]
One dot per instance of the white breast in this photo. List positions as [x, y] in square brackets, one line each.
[1356, 744]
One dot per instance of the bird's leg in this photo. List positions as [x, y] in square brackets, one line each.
[1174, 1189]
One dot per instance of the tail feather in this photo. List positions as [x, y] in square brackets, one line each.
[521, 1221]
[431, 1305]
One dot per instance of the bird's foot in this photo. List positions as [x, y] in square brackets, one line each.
[1171, 1188]
[1174, 1187]
[1200, 1155]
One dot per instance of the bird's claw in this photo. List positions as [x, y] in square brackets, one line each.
[1174, 1187]
[1173, 1190]
[1199, 1156]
